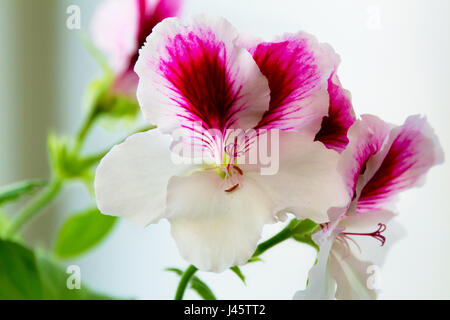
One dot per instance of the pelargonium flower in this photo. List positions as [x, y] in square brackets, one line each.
[200, 87]
[380, 161]
[120, 28]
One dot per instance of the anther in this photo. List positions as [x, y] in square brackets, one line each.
[232, 188]
[239, 170]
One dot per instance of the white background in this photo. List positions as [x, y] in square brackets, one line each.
[395, 61]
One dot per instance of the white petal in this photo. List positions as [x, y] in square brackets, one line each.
[212, 228]
[321, 286]
[351, 274]
[368, 222]
[363, 222]
[131, 180]
[308, 182]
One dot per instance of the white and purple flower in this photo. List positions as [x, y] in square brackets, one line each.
[198, 82]
[380, 161]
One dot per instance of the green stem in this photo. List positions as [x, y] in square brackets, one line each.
[281, 236]
[276, 239]
[43, 199]
[84, 130]
[185, 278]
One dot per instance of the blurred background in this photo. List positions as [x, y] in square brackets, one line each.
[395, 61]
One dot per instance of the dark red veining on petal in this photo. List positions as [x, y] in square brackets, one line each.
[334, 128]
[196, 68]
[291, 71]
[377, 234]
[409, 157]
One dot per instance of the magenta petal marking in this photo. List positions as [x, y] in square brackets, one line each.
[196, 68]
[413, 151]
[367, 137]
[291, 69]
[333, 132]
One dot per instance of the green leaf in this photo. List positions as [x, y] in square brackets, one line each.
[82, 232]
[27, 275]
[16, 190]
[4, 222]
[197, 285]
[4, 225]
[238, 272]
[19, 276]
[54, 280]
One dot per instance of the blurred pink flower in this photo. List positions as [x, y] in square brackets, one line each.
[120, 27]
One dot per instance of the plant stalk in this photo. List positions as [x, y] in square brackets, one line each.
[271, 242]
[184, 281]
[39, 202]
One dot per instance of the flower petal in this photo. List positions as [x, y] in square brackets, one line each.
[367, 138]
[351, 274]
[368, 222]
[131, 180]
[126, 83]
[334, 128]
[321, 286]
[412, 150]
[120, 28]
[166, 9]
[114, 30]
[297, 68]
[194, 74]
[212, 228]
[307, 182]
[150, 13]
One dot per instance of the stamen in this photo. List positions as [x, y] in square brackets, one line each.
[377, 234]
[344, 238]
[232, 188]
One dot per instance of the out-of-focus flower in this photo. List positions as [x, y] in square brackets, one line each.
[120, 27]
[200, 88]
[380, 161]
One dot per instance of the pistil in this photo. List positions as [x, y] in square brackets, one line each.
[377, 234]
